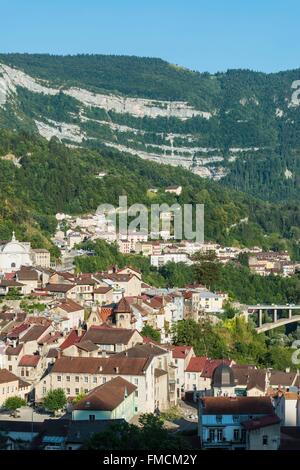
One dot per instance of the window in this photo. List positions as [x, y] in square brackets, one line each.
[44, 390]
[236, 434]
[76, 378]
[92, 417]
[211, 434]
[86, 379]
[219, 419]
[225, 377]
[77, 391]
[68, 378]
[10, 368]
[104, 380]
[136, 393]
[236, 419]
[94, 380]
[265, 440]
[136, 381]
[59, 378]
[68, 391]
[219, 434]
[86, 390]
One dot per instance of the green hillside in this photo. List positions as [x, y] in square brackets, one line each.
[240, 126]
[52, 178]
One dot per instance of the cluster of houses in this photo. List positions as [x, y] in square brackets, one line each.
[276, 263]
[83, 333]
[120, 374]
[160, 248]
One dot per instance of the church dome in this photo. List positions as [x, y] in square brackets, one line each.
[14, 246]
[223, 376]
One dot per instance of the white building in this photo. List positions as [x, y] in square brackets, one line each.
[161, 260]
[15, 254]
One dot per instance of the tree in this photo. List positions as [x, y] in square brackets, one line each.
[150, 332]
[203, 336]
[207, 269]
[229, 310]
[150, 435]
[13, 403]
[13, 294]
[79, 397]
[243, 258]
[55, 400]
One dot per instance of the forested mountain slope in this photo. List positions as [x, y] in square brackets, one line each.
[241, 127]
[39, 178]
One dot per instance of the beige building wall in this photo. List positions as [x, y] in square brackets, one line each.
[272, 437]
[8, 389]
[73, 384]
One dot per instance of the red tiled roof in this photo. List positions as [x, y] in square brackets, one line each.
[71, 339]
[105, 313]
[262, 422]
[123, 306]
[108, 335]
[34, 333]
[9, 276]
[112, 365]
[180, 352]
[107, 396]
[211, 364]
[70, 306]
[147, 339]
[50, 337]
[37, 320]
[196, 364]
[29, 360]
[14, 351]
[59, 287]
[237, 405]
[188, 295]
[102, 290]
[6, 376]
[10, 283]
[15, 333]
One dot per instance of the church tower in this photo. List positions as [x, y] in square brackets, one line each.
[123, 314]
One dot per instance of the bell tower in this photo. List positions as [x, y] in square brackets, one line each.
[123, 314]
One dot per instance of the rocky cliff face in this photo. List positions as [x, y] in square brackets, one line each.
[221, 121]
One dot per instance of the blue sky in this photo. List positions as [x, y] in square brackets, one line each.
[205, 35]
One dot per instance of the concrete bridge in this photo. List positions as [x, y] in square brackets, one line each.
[281, 315]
